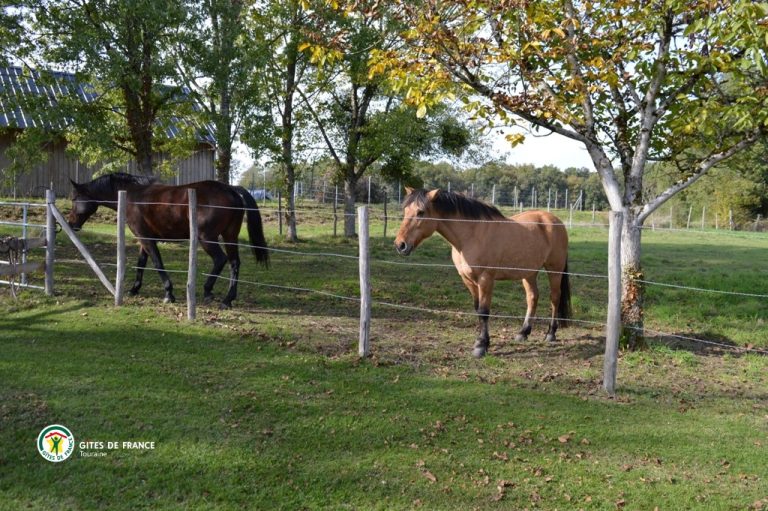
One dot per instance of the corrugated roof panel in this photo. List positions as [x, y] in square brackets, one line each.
[16, 86]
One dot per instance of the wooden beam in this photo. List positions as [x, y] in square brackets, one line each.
[82, 248]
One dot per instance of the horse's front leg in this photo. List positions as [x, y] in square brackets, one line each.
[532, 299]
[140, 265]
[234, 273]
[154, 253]
[484, 295]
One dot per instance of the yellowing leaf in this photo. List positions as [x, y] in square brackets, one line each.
[515, 139]
[421, 111]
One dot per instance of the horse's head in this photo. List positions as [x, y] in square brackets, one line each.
[418, 220]
[83, 206]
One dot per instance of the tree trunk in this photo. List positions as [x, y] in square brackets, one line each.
[286, 137]
[224, 137]
[632, 292]
[290, 212]
[350, 183]
[223, 163]
[144, 159]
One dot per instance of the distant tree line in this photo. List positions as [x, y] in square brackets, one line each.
[737, 189]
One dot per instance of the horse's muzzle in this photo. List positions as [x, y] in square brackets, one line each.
[403, 248]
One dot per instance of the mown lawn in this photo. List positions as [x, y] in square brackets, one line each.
[267, 406]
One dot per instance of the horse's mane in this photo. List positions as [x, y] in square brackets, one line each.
[451, 203]
[110, 183]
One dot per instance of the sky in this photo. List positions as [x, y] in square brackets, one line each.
[539, 150]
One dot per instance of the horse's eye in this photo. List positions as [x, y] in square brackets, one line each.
[420, 213]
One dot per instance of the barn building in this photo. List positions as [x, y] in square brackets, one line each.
[15, 86]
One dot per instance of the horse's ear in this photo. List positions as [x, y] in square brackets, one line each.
[408, 190]
[433, 193]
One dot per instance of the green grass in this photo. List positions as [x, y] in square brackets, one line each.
[267, 406]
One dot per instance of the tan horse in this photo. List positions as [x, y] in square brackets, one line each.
[487, 246]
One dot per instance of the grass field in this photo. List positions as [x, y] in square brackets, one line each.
[266, 406]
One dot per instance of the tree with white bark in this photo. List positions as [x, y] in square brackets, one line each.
[634, 82]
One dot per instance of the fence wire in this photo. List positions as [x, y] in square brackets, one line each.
[297, 253]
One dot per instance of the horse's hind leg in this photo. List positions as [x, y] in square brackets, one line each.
[233, 254]
[140, 265]
[555, 279]
[213, 249]
[154, 253]
[531, 299]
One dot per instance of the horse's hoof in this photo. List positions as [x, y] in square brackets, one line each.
[550, 338]
[225, 306]
[169, 299]
[133, 292]
[479, 352]
[207, 299]
[521, 338]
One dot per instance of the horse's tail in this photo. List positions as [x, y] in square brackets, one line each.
[255, 228]
[564, 307]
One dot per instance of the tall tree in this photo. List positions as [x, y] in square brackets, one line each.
[363, 122]
[633, 82]
[220, 65]
[121, 48]
[281, 26]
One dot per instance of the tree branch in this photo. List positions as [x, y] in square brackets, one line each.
[702, 168]
[320, 126]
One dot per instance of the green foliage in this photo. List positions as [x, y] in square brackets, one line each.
[25, 153]
[11, 31]
[121, 50]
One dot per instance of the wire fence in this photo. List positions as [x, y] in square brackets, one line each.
[586, 322]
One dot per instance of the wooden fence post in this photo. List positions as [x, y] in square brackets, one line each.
[24, 217]
[50, 240]
[120, 274]
[365, 284]
[192, 271]
[385, 214]
[613, 326]
[335, 212]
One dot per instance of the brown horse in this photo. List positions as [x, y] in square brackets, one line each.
[157, 212]
[487, 246]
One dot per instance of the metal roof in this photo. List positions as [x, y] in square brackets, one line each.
[19, 89]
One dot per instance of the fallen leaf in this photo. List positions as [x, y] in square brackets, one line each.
[429, 475]
[503, 456]
[564, 439]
